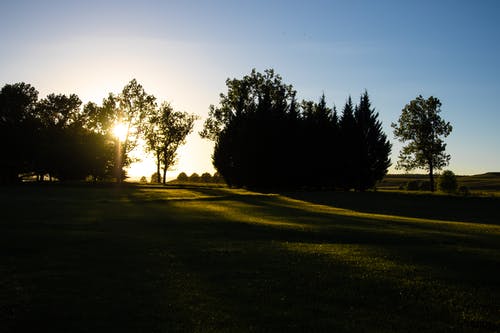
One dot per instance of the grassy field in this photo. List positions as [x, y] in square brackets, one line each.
[201, 259]
[487, 183]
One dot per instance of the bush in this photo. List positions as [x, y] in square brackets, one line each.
[182, 177]
[194, 178]
[424, 186]
[143, 179]
[464, 190]
[447, 182]
[154, 178]
[206, 177]
[413, 185]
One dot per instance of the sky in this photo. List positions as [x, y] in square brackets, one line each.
[183, 52]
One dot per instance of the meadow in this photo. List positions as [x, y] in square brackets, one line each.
[213, 259]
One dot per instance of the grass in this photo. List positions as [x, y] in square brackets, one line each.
[203, 259]
[483, 184]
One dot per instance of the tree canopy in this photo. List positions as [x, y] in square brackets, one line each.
[422, 128]
[264, 138]
[56, 136]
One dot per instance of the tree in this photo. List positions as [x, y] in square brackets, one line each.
[156, 178]
[251, 127]
[165, 132]
[206, 177]
[18, 130]
[347, 129]
[132, 106]
[182, 177]
[59, 136]
[447, 182]
[371, 146]
[421, 125]
[194, 178]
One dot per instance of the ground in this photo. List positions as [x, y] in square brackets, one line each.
[203, 259]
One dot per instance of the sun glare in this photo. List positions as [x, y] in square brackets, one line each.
[120, 131]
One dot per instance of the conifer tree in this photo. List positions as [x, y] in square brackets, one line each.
[372, 146]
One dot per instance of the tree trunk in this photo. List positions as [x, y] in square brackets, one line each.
[158, 171]
[164, 175]
[431, 176]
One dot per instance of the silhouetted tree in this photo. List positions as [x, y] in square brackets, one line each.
[194, 178]
[206, 177]
[132, 106]
[348, 155]
[371, 146]
[165, 132]
[156, 178]
[263, 138]
[18, 130]
[60, 141]
[447, 182]
[423, 128]
[252, 132]
[182, 177]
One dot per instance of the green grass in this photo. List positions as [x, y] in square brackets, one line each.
[202, 259]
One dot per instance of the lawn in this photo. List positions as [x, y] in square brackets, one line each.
[202, 259]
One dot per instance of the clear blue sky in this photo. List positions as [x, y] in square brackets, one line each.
[182, 51]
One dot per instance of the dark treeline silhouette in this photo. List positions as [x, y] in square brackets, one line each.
[56, 137]
[51, 136]
[264, 138]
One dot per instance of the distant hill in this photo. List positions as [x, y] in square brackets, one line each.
[486, 182]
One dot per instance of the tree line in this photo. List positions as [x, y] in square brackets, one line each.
[57, 137]
[265, 138]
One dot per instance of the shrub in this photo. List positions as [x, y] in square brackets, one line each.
[182, 177]
[143, 179]
[194, 178]
[154, 178]
[413, 185]
[464, 190]
[424, 185]
[206, 177]
[447, 182]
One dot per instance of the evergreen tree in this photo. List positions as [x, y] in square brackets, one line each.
[348, 155]
[371, 145]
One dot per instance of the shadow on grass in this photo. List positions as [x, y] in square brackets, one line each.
[202, 259]
[440, 207]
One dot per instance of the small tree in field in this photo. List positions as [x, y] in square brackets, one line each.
[423, 128]
[156, 178]
[448, 182]
[206, 177]
[182, 177]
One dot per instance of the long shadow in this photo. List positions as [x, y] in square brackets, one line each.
[451, 208]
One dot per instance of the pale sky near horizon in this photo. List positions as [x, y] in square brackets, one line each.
[183, 51]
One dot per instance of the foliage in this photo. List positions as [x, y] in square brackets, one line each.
[165, 132]
[206, 177]
[48, 136]
[156, 178]
[182, 177]
[132, 106]
[423, 128]
[447, 182]
[19, 129]
[464, 190]
[194, 178]
[143, 179]
[265, 139]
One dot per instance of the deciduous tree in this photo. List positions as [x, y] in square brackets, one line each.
[422, 128]
[165, 132]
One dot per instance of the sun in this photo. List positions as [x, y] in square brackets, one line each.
[120, 131]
